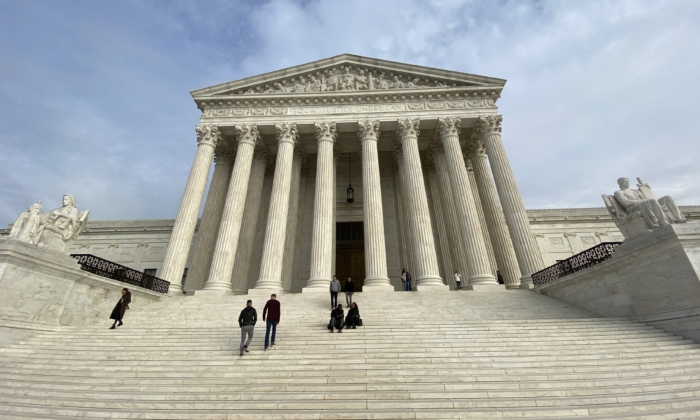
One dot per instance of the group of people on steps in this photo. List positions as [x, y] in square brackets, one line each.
[272, 311]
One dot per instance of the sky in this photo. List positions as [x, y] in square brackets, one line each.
[94, 95]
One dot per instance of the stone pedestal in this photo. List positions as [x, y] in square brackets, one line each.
[42, 289]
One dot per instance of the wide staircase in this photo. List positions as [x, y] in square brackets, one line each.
[420, 355]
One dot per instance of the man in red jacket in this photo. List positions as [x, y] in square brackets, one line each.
[271, 314]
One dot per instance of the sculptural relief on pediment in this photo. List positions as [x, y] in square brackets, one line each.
[345, 78]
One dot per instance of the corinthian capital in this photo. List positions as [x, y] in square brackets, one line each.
[408, 128]
[448, 126]
[208, 134]
[326, 132]
[248, 134]
[489, 124]
[287, 133]
[263, 155]
[369, 130]
[224, 154]
[474, 148]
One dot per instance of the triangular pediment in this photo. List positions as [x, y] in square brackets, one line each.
[346, 73]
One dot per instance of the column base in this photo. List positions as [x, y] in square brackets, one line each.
[486, 287]
[215, 292]
[174, 289]
[482, 279]
[266, 292]
[432, 288]
[378, 288]
[526, 282]
[317, 289]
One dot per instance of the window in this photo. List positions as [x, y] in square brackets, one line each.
[150, 271]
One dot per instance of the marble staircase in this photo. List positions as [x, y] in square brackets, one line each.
[419, 356]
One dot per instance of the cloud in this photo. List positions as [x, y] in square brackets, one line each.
[94, 96]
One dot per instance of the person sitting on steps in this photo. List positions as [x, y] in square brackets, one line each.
[337, 319]
[353, 318]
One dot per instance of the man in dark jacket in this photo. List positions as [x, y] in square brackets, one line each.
[273, 312]
[247, 320]
[349, 290]
[500, 277]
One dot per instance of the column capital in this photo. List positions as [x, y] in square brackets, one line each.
[436, 147]
[474, 148]
[326, 131]
[299, 154]
[287, 133]
[248, 133]
[208, 134]
[224, 154]
[262, 154]
[368, 130]
[489, 124]
[408, 128]
[449, 126]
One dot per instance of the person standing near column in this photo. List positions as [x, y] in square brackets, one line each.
[247, 320]
[334, 288]
[349, 290]
[458, 280]
[406, 280]
[272, 312]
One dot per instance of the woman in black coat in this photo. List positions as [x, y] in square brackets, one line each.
[122, 306]
[353, 318]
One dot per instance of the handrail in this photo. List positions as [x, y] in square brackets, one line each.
[588, 258]
[96, 265]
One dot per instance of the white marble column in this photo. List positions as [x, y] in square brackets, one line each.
[479, 267]
[249, 227]
[375, 248]
[275, 233]
[292, 220]
[445, 248]
[208, 137]
[454, 233]
[322, 234]
[406, 243]
[526, 250]
[219, 280]
[211, 218]
[427, 274]
[506, 262]
[480, 212]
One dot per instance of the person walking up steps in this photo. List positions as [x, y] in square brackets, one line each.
[458, 280]
[349, 290]
[120, 308]
[335, 288]
[247, 320]
[273, 312]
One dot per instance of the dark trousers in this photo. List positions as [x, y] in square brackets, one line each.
[334, 299]
[337, 323]
[270, 325]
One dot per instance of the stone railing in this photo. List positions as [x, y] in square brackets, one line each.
[114, 271]
[588, 258]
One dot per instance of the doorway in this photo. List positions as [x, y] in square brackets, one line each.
[350, 253]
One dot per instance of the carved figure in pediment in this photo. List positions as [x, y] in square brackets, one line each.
[27, 224]
[59, 227]
[413, 83]
[347, 80]
[277, 88]
[361, 81]
[314, 84]
[300, 86]
[396, 83]
[380, 83]
[637, 211]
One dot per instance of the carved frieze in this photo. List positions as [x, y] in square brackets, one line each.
[348, 109]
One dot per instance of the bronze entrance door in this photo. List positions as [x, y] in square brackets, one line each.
[350, 254]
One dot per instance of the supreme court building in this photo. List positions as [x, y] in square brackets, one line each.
[351, 166]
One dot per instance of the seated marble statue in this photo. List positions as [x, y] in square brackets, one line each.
[26, 225]
[630, 204]
[56, 229]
